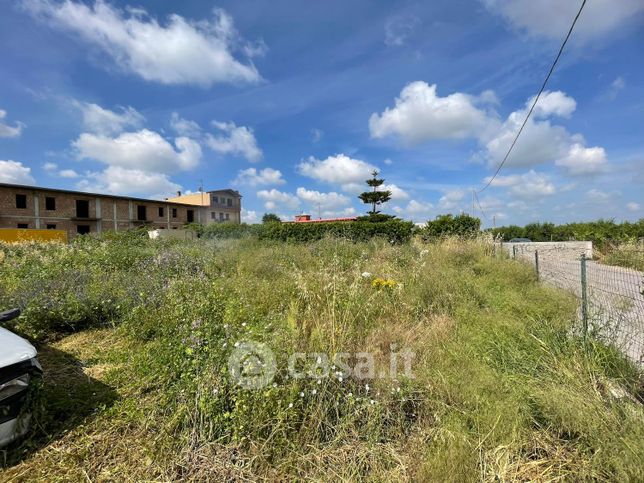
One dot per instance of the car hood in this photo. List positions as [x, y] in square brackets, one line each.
[14, 349]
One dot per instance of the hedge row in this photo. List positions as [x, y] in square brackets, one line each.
[396, 231]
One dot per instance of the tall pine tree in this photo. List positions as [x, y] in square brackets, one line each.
[375, 198]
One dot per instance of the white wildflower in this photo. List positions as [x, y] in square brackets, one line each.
[366, 275]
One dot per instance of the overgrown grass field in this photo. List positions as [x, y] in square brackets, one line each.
[134, 337]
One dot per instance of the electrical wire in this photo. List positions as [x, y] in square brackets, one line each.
[536, 99]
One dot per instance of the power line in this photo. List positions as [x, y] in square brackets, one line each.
[479, 205]
[536, 99]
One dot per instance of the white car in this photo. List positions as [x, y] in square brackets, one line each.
[18, 367]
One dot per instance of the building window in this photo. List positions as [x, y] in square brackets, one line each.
[213, 215]
[141, 214]
[161, 211]
[174, 212]
[23, 225]
[215, 199]
[230, 202]
[21, 201]
[50, 203]
[82, 209]
[191, 216]
[221, 217]
[51, 227]
[82, 229]
[227, 216]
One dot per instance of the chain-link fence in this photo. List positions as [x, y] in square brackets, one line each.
[611, 298]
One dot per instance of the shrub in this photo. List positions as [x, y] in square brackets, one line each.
[462, 225]
[394, 231]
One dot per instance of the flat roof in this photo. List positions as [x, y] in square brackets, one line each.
[85, 193]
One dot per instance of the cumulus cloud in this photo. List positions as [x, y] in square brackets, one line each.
[581, 161]
[68, 173]
[248, 216]
[183, 127]
[552, 18]
[143, 150]
[529, 186]
[451, 199]
[540, 141]
[416, 210]
[632, 206]
[275, 199]
[49, 166]
[104, 121]
[397, 193]
[7, 131]
[235, 140]
[15, 173]
[326, 201]
[340, 169]
[179, 51]
[124, 181]
[253, 177]
[420, 114]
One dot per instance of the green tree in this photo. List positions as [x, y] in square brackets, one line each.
[375, 198]
[271, 218]
[462, 225]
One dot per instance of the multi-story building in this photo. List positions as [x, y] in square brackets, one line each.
[215, 206]
[78, 212]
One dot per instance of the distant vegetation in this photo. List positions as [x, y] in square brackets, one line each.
[602, 233]
[135, 334]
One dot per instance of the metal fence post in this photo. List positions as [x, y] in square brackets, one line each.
[514, 252]
[536, 262]
[584, 295]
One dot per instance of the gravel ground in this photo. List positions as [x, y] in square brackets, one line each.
[615, 296]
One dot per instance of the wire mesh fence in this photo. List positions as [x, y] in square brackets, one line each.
[611, 298]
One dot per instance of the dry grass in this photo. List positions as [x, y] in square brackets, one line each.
[501, 392]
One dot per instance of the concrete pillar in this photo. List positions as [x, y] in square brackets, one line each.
[37, 210]
[116, 223]
[129, 212]
[99, 217]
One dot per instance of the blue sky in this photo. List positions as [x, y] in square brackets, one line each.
[294, 103]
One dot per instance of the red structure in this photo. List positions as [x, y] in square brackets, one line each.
[307, 219]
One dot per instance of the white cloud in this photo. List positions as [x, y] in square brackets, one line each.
[275, 199]
[580, 160]
[451, 200]
[180, 51]
[15, 173]
[340, 169]
[143, 150]
[632, 206]
[326, 201]
[540, 141]
[7, 131]
[68, 173]
[552, 18]
[388, 162]
[103, 121]
[529, 186]
[397, 193]
[235, 140]
[123, 181]
[415, 210]
[420, 115]
[49, 166]
[253, 177]
[399, 29]
[316, 135]
[248, 216]
[615, 87]
[597, 195]
[183, 127]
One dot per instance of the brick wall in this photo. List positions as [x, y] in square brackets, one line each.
[101, 211]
